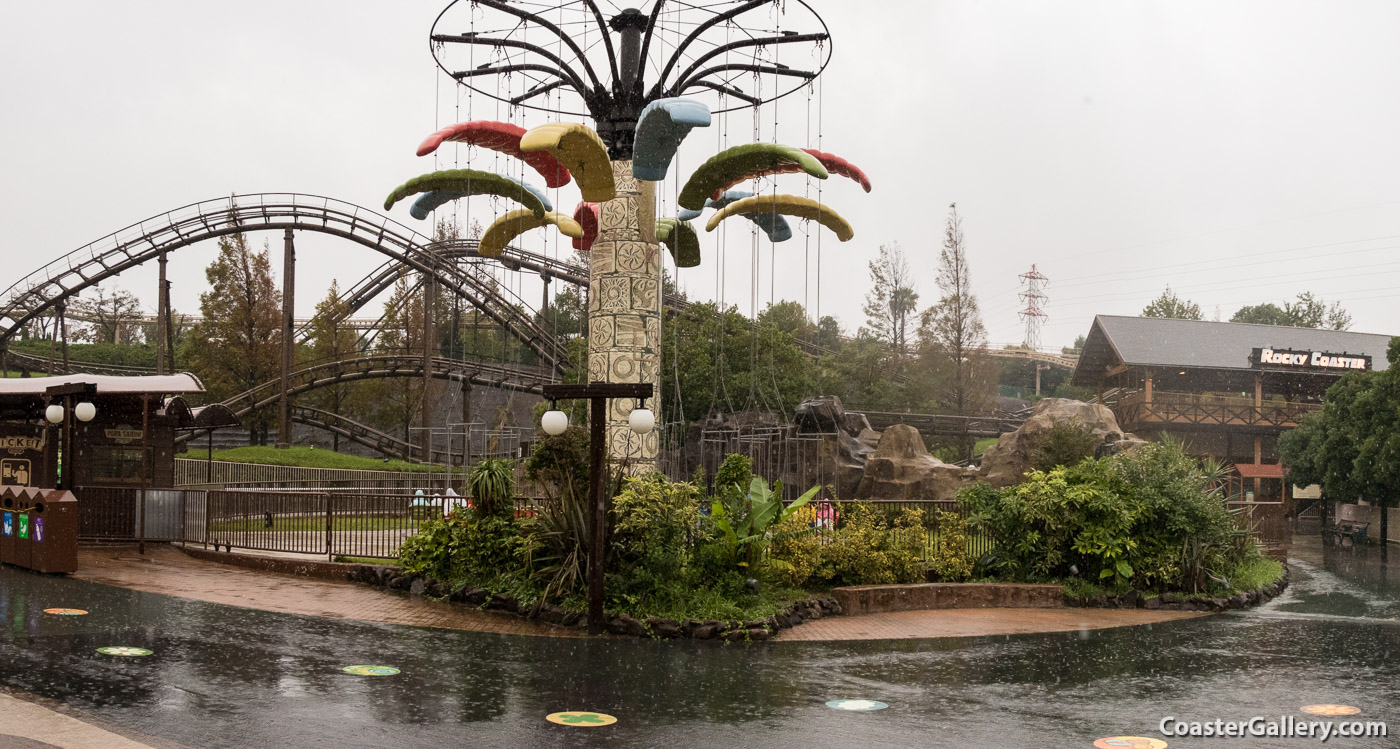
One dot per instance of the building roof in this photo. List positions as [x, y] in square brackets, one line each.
[183, 382]
[1260, 470]
[1199, 344]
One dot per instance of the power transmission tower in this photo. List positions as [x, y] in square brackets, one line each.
[1035, 298]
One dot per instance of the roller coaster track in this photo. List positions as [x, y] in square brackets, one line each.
[37, 293]
[384, 444]
[40, 364]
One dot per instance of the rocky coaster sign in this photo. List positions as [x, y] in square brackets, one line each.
[581, 718]
[371, 670]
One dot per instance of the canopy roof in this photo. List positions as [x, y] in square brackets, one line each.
[1199, 344]
[1260, 470]
[173, 384]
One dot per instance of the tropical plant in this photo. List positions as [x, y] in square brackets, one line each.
[871, 547]
[745, 520]
[949, 559]
[1063, 444]
[491, 485]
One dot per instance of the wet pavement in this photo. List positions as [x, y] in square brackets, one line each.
[219, 676]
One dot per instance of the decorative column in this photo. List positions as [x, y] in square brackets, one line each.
[624, 310]
[289, 285]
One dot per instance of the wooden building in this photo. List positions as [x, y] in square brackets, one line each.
[121, 429]
[1226, 390]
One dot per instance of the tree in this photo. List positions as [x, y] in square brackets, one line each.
[1076, 348]
[721, 361]
[1306, 312]
[330, 340]
[238, 345]
[891, 300]
[952, 339]
[108, 316]
[1172, 306]
[1352, 446]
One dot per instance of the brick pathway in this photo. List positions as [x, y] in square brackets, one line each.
[36, 725]
[168, 571]
[904, 625]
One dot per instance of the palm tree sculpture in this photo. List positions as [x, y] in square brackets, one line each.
[550, 60]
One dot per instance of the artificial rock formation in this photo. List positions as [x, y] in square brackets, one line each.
[1007, 462]
[825, 415]
[902, 468]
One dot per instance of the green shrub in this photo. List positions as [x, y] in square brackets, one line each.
[1064, 444]
[870, 548]
[950, 560]
[795, 551]
[463, 546]
[560, 463]
[735, 472]
[1151, 517]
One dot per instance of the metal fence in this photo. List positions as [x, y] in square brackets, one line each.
[221, 474]
[825, 518]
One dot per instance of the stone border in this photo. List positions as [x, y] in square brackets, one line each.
[1178, 602]
[337, 571]
[618, 624]
[877, 599]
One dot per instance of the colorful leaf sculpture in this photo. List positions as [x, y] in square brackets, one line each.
[833, 163]
[772, 224]
[587, 216]
[733, 163]
[662, 126]
[517, 222]
[581, 151]
[430, 201]
[503, 137]
[790, 205]
[467, 182]
[680, 238]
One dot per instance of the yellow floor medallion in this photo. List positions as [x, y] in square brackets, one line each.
[580, 718]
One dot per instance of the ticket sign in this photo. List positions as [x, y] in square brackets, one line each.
[9, 524]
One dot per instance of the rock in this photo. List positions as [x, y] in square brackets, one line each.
[1153, 603]
[1130, 599]
[757, 634]
[665, 629]
[1006, 462]
[400, 582]
[550, 613]
[855, 424]
[458, 594]
[734, 635]
[362, 573]
[503, 603]
[1190, 606]
[572, 618]
[622, 624]
[437, 589]
[706, 631]
[869, 438]
[821, 414]
[418, 587]
[474, 596]
[1128, 442]
[902, 468]
[1170, 598]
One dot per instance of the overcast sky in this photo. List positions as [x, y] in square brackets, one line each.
[1241, 152]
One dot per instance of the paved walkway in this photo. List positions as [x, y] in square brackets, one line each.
[30, 725]
[166, 570]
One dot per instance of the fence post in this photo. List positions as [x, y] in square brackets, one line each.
[330, 517]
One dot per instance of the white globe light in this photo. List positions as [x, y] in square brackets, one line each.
[85, 411]
[554, 422]
[641, 420]
[54, 413]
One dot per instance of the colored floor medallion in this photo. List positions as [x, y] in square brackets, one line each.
[66, 612]
[1330, 709]
[580, 718]
[371, 670]
[857, 705]
[124, 651]
[1130, 742]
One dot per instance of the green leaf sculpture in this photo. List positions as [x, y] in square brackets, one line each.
[681, 239]
[469, 182]
[750, 158]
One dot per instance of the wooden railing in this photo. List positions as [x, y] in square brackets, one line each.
[1208, 410]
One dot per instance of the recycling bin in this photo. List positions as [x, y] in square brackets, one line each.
[7, 529]
[24, 500]
[53, 533]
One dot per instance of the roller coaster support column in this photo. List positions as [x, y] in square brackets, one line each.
[429, 343]
[624, 309]
[162, 299]
[289, 281]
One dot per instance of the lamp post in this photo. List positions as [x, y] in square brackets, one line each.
[641, 421]
[57, 414]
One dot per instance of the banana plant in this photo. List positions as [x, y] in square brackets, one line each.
[745, 522]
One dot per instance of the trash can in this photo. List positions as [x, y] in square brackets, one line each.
[53, 533]
[25, 500]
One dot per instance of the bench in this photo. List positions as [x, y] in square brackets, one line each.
[1346, 532]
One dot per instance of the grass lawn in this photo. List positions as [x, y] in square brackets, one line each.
[982, 444]
[368, 560]
[313, 458]
[318, 523]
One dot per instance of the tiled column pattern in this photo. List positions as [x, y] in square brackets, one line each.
[624, 309]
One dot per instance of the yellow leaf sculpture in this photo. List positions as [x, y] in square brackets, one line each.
[787, 205]
[517, 222]
[581, 151]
